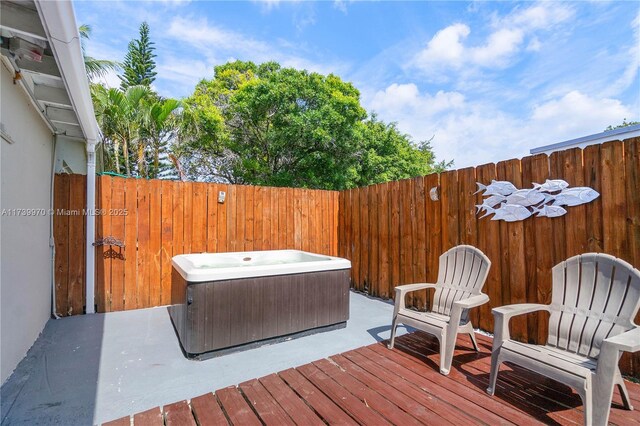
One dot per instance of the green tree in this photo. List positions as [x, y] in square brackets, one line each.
[389, 155]
[158, 129]
[268, 125]
[95, 68]
[139, 64]
[120, 115]
[624, 123]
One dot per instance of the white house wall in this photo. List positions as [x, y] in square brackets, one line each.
[25, 256]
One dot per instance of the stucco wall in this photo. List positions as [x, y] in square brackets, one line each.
[25, 256]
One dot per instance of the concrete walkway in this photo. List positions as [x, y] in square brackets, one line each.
[90, 369]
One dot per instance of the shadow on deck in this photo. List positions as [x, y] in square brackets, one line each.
[374, 385]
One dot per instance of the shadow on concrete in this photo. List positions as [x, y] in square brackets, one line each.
[57, 381]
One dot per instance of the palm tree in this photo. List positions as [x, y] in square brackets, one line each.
[95, 68]
[121, 116]
[160, 127]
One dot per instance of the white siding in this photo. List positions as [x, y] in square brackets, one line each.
[25, 256]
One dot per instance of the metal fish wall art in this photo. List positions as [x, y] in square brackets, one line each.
[497, 187]
[551, 185]
[549, 211]
[575, 196]
[506, 202]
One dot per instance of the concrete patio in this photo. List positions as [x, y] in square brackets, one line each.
[94, 368]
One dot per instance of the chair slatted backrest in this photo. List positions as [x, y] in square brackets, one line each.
[595, 296]
[462, 273]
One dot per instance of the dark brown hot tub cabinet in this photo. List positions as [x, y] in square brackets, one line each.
[232, 314]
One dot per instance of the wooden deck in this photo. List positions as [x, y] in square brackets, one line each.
[377, 386]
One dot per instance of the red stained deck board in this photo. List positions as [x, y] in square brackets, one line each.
[122, 421]
[289, 401]
[326, 408]
[267, 408]
[341, 396]
[236, 407]
[152, 417]
[178, 414]
[207, 411]
[368, 396]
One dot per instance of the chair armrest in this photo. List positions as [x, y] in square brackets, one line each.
[408, 288]
[503, 315]
[609, 355]
[460, 305]
[508, 311]
[401, 292]
[472, 302]
[629, 341]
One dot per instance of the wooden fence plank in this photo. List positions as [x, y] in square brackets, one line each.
[275, 224]
[187, 212]
[419, 256]
[374, 238]
[394, 239]
[433, 229]
[538, 251]
[258, 221]
[467, 217]
[449, 205]
[515, 284]
[118, 232]
[61, 192]
[104, 263]
[291, 233]
[249, 221]
[166, 237]
[575, 219]
[212, 217]
[221, 222]
[489, 242]
[198, 217]
[155, 241]
[130, 244]
[365, 242]
[144, 235]
[632, 183]
[283, 224]
[77, 197]
[385, 286]
[406, 238]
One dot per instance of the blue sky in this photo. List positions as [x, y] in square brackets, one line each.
[487, 80]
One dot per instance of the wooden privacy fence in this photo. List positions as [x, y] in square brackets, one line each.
[157, 219]
[394, 233]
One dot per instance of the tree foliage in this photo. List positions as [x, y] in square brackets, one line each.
[95, 68]
[139, 64]
[268, 125]
[624, 123]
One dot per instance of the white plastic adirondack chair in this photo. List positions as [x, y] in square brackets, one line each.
[595, 298]
[461, 275]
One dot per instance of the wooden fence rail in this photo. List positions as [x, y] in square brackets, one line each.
[157, 220]
[394, 233]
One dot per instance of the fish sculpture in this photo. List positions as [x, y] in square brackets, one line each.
[575, 196]
[510, 213]
[490, 202]
[496, 187]
[549, 211]
[526, 197]
[551, 185]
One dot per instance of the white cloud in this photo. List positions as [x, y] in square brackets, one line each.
[447, 48]
[474, 132]
[216, 45]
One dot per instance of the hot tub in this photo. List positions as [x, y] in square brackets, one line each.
[230, 301]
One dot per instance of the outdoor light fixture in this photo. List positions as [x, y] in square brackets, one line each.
[221, 196]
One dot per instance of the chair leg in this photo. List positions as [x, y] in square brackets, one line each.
[588, 402]
[496, 360]
[447, 348]
[624, 393]
[468, 329]
[394, 325]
